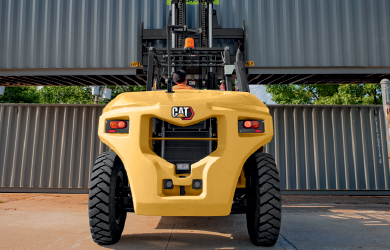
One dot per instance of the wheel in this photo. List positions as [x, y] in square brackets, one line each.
[106, 215]
[263, 213]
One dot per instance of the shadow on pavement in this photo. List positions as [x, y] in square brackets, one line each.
[178, 240]
[227, 232]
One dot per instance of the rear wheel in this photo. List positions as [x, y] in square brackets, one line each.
[263, 192]
[106, 215]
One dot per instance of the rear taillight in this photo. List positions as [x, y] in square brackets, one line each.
[122, 124]
[117, 126]
[251, 126]
[114, 124]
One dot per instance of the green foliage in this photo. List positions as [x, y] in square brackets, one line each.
[117, 90]
[60, 94]
[66, 95]
[20, 95]
[345, 94]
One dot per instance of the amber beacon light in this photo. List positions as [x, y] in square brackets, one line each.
[189, 43]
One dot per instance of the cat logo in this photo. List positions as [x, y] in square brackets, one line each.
[185, 113]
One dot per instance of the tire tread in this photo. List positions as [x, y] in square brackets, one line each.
[99, 216]
[265, 230]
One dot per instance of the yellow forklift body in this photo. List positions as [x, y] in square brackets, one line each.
[220, 171]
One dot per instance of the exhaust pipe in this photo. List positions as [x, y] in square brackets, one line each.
[240, 53]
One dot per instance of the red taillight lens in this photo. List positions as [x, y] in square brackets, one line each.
[117, 126]
[114, 124]
[251, 124]
[122, 124]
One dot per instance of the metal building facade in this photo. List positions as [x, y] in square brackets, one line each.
[317, 148]
[85, 34]
[48, 146]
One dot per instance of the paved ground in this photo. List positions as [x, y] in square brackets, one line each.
[60, 221]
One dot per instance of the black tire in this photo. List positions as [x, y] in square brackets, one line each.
[106, 218]
[263, 214]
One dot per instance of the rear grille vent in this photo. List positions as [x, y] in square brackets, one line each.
[188, 144]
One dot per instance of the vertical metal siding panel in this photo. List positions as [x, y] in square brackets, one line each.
[373, 30]
[365, 143]
[355, 155]
[69, 34]
[3, 139]
[335, 33]
[376, 150]
[284, 29]
[73, 149]
[57, 20]
[290, 147]
[45, 36]
[93, 51]
[63, 150]
[2, 31]
[20, 26]
[43, 151]
[311, 37]
[301, 149]
[384, 31]
[133, 31]
[120, 33]
[34, 174]
[8, 60]
[93, 133]
[360, 35]
[324, 44]
[346, 148]
[15, 149]
[83, 148]
[327, 176]
[107, 33]
[30, 42]
[347, 27]
[270, 147]
[46, 166]
[385, 166]
[26, 151]
[316, 149]
[82, 42]
[308, 148]
[261, 38]
[279, 147]
[54, 145]
[296, 149]
[65, 176]
[377, 163]
[288, 152]
[297, 34]
[9, 113]
[336, 148]
[271, 35]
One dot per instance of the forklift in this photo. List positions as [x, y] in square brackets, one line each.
[187, 152]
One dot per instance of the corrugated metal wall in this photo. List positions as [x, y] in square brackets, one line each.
[48, 146]
[316, 147]
[330, 147]
[280, 33]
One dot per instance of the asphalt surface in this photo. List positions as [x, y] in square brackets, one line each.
[60, 221]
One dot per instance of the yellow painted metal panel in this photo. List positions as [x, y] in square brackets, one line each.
[220, 171]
